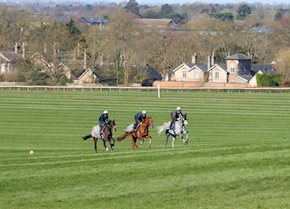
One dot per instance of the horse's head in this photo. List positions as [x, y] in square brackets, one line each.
[149, 122]
[184, 120]
[112, 124]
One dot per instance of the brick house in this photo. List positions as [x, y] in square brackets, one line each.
[238, 69]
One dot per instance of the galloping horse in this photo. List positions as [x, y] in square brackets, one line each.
[141, 134]
[107, 134]
[180, 130]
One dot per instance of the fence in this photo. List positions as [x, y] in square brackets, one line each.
[145, 89]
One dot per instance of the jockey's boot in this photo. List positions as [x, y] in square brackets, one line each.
[86, 137]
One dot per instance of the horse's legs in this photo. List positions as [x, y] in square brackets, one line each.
[95, 141]
[186, 137]
[104, 141]
[133, 141]
[112, 143]
[150, 140]
[173, 141]
[111, 147]
[167, 136]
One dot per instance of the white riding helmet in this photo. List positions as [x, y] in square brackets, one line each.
[143, 112]
[105, 112]
[178, 108]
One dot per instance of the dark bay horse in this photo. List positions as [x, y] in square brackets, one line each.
[142, 133]
[107, 134]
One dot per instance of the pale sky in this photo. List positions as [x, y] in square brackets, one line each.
[154, 2]
[209, 1]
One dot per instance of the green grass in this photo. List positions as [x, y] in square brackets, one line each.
[238, 154]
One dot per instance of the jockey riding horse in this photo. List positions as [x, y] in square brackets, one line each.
[103, 120]
[174, 117]
[139, 117]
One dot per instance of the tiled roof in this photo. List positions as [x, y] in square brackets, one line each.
[95, 20]
[12, 56]
[152, 73]
[148, 21]
[238, 57]
[266, 68]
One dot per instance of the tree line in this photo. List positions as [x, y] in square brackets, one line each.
[119, 51]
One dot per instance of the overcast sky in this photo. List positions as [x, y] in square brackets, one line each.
[154, 2]
[210, 1]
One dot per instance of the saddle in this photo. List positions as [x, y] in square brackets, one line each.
[134, 131]
[101, 132]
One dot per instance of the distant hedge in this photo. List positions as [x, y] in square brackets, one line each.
[269, 79]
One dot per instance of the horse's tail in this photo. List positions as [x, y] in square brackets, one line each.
[120, 138]
[160, 129]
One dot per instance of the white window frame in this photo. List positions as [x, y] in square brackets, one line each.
[184, 74]
[196, 74]
[232, 68]
[2, 68]
[217, 75]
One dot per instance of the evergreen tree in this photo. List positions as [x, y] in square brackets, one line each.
[133, 7]
[243, 11]
[166, 10]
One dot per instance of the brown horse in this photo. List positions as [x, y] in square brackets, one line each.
[107, 134]
[142, 133]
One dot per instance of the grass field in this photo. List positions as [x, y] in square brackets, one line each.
[238, 154]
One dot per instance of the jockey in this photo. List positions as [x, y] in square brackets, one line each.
[103, 119]
[139, 117]
[175, 116]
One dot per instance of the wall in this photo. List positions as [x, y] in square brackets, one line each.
[176, 84]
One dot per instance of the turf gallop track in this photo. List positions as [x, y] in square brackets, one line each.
[238, 154]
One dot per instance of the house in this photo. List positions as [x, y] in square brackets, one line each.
[190, 72]
[65, 71]
[86, 76]
[95, 21]
[161, 24]
[217, 74]
[39, 61]
[237, 70]
[151, 75]
[241, 69]
[10, 62]
[193, 71]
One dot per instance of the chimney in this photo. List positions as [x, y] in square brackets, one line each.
[194, 59]
[85, 59]
[16, 48]
[23, 50]
[208, 61]
[45, 48]
[212, 58]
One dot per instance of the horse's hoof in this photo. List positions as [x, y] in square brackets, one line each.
[107, 149]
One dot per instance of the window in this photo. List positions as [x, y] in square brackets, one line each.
[196, 74]
[184, 74]
[232, 68]
[217, 75]
[2, 69]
